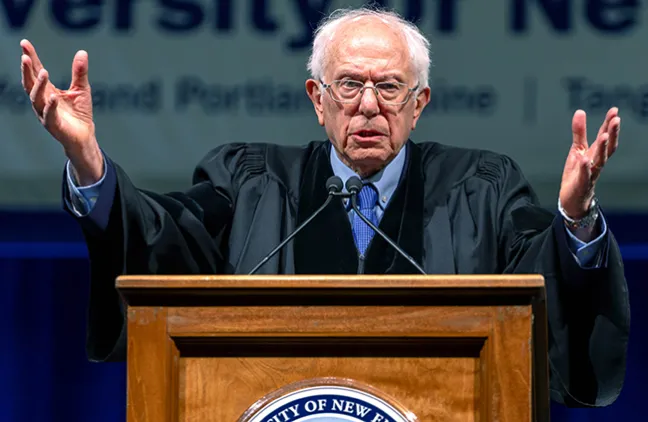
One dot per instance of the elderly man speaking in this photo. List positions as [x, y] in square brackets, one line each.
[454, 211]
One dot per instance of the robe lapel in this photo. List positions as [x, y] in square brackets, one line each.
[326, 245]
[437, 237]
[438, 249]
[402, 222]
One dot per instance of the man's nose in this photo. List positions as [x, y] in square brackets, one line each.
[369, 101]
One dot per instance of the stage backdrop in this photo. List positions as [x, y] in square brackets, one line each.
[174, 78]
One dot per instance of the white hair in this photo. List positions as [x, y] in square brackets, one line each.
[417, 43]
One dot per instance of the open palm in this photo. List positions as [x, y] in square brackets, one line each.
[585, 163]
[66, 114]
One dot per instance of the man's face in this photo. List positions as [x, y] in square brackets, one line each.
[367, 134]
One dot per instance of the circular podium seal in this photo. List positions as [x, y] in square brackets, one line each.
[327, 400]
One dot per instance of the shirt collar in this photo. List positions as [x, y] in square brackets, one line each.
[385, 181]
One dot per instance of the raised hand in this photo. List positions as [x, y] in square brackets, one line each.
[66, 114]
[585, 163]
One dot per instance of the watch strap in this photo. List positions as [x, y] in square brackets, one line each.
[589, 220]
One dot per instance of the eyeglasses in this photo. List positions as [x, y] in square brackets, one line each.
[348, 91]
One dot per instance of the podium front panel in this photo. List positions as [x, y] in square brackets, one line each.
[455, 363]
[433, 388]
[236, 349]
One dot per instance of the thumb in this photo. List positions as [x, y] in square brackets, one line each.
[579, 130]
[80, 70]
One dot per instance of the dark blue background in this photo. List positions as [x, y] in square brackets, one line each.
[43, 368]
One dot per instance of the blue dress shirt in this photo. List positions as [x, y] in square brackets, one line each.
[83, 199]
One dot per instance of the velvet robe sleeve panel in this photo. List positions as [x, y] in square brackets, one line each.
[497, 227]
[151, 233]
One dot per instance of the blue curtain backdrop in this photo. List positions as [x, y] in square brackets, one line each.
[44, 374]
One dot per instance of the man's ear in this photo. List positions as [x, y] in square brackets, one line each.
[422, 99]
[315, 92]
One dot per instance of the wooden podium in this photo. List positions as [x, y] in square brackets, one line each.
[439, 348]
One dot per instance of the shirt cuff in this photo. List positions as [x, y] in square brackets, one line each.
[588, 255]
[83, 198]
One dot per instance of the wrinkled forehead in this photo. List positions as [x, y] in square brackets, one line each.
[369, 48]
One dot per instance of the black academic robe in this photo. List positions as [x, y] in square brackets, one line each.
[455, 211]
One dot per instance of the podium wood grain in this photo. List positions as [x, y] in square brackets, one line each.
[443, 389]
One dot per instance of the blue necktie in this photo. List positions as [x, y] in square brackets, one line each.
[362, 233]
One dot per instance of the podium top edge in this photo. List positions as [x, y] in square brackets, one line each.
[329, 281]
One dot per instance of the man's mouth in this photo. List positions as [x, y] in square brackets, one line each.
[368, 133]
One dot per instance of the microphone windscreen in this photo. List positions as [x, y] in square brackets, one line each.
[334, 184]
[354, 185]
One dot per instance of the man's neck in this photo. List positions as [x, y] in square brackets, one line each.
[385, 179]
[364, 170]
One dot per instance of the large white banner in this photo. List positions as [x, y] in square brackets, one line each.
[174, 78]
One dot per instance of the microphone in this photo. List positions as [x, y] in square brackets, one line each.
[334, 187]
[353, 186]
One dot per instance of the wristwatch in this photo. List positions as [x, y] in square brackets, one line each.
[583, 223]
